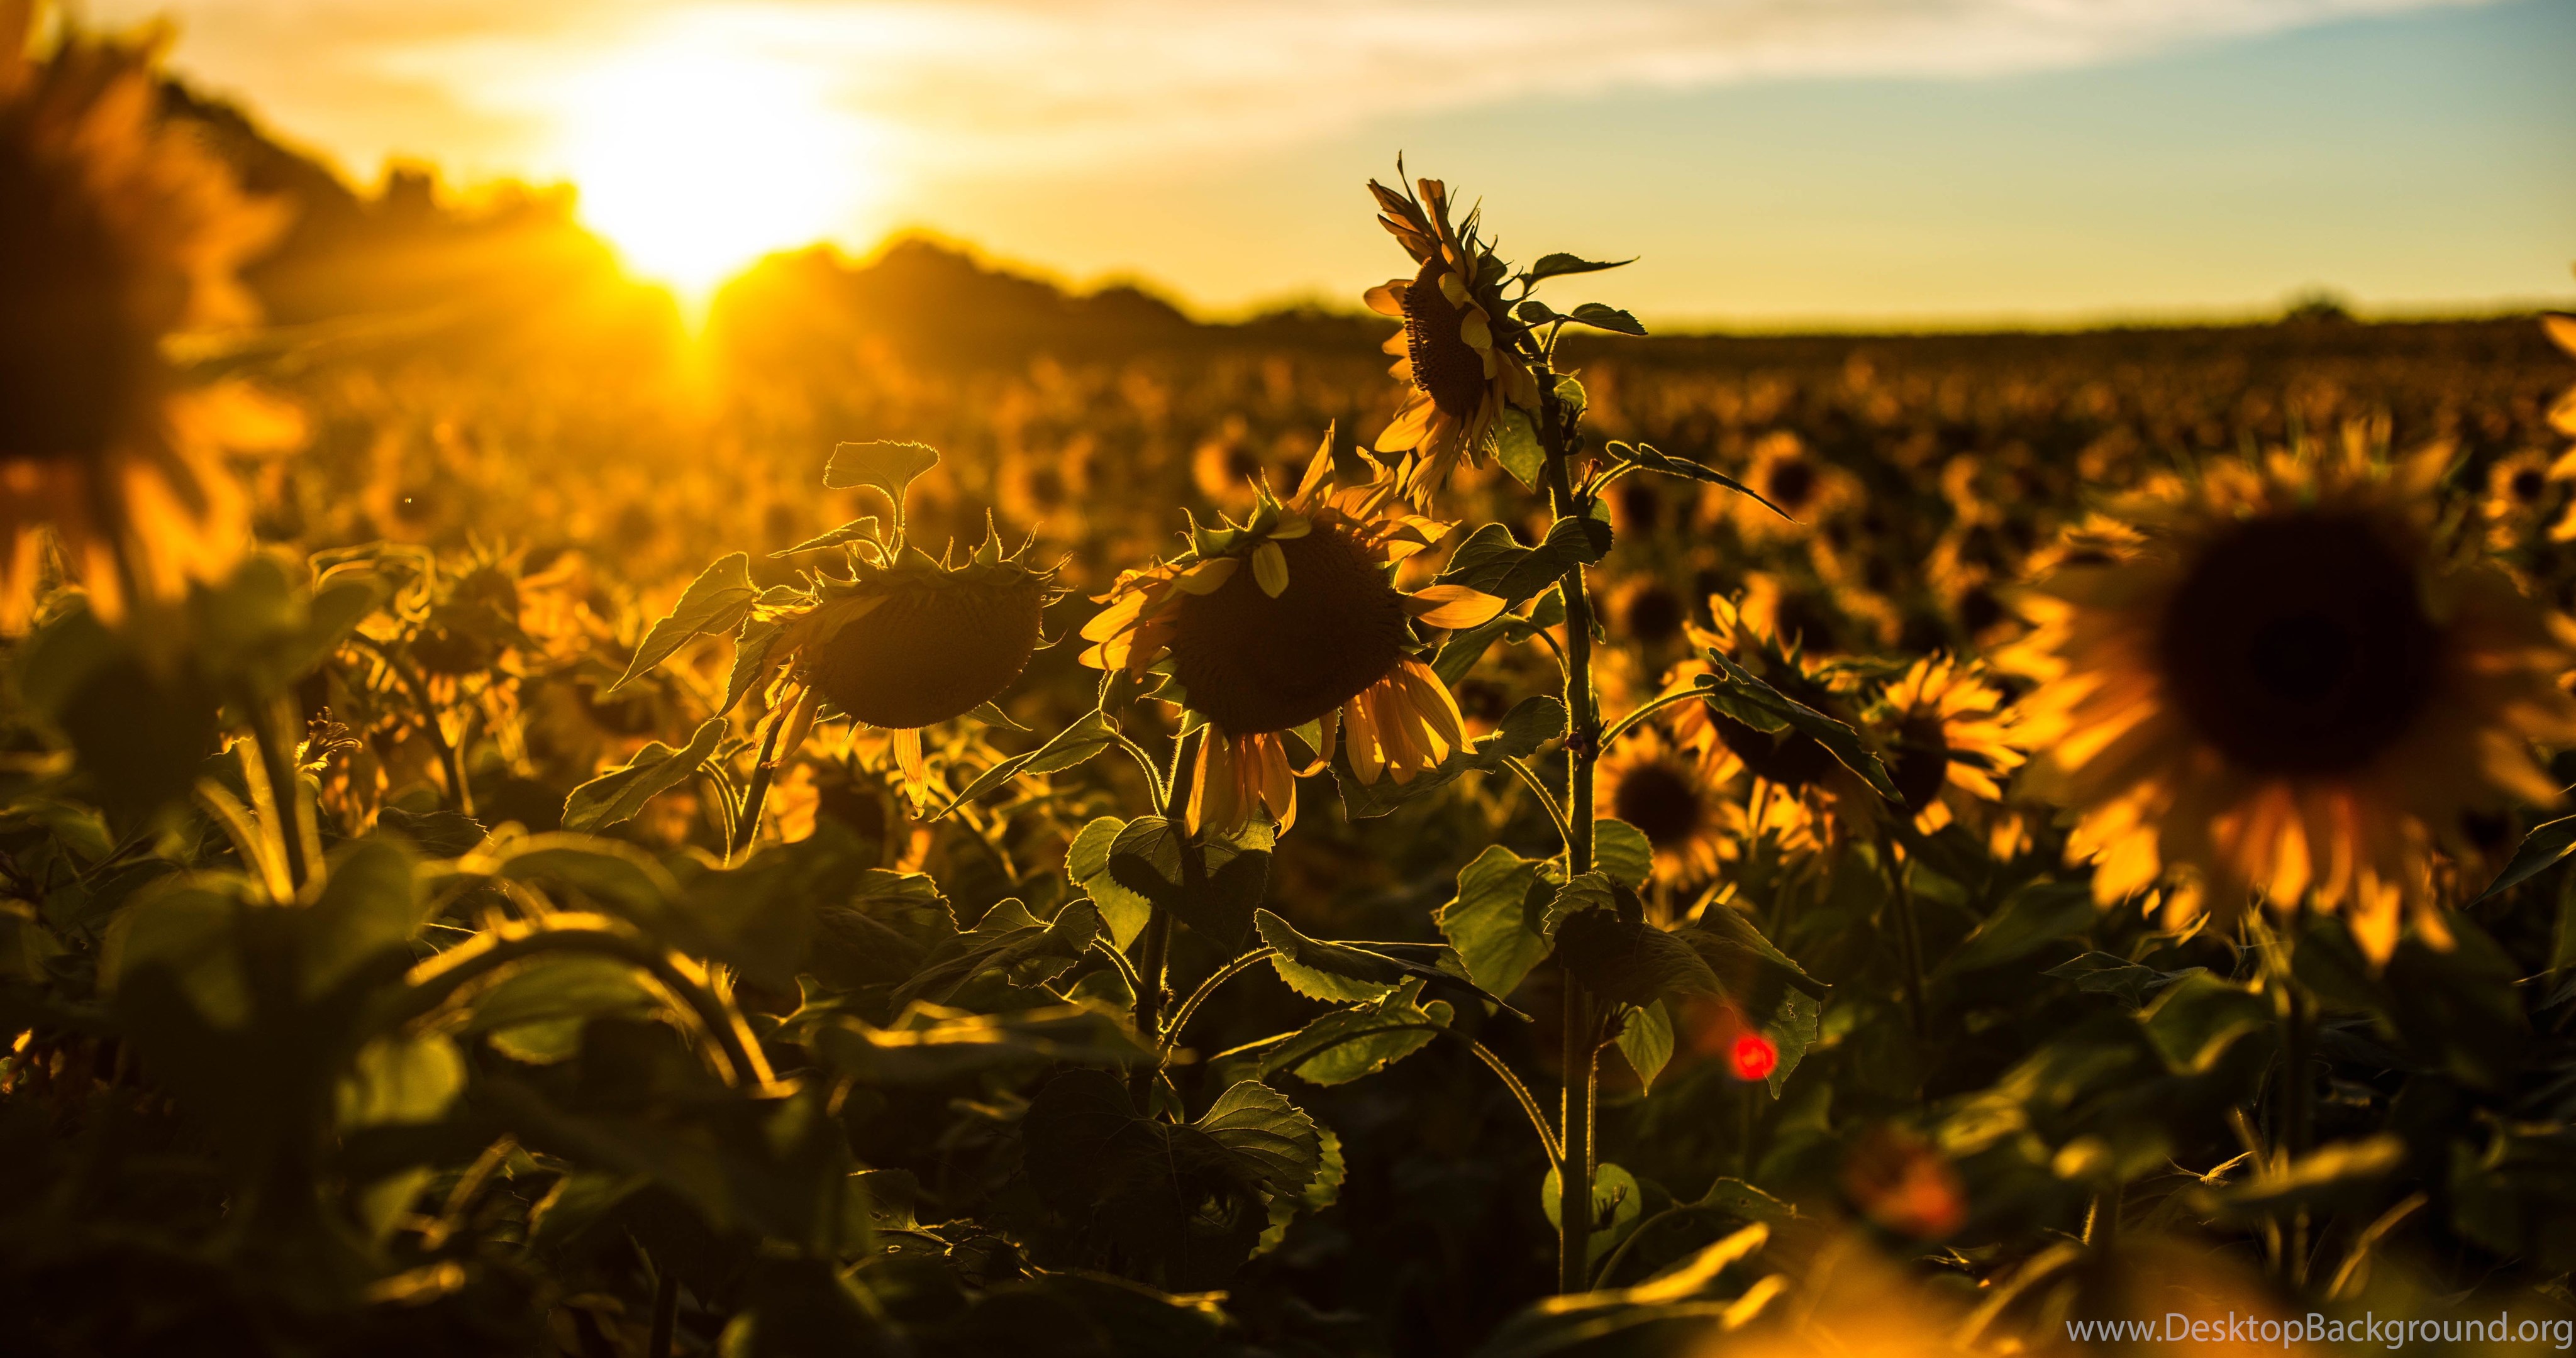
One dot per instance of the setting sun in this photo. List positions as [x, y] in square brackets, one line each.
[694, 163]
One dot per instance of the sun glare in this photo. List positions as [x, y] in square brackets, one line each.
[694, 163]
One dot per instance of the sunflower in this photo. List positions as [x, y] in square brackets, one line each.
[1950, 744]
[1454, 351]
[1788, 473]
[2280, 682]
[2562, 330]
[2516, 507]
[118, 230]
[1796, 778]
[1289, 622]
[1668, 795]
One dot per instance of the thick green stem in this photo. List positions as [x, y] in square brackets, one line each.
[273, 733]
[1910, 939]
[1151, 967]
[1580, 1042]
[747, 825]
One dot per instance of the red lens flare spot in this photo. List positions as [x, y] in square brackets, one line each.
[1752, 1057]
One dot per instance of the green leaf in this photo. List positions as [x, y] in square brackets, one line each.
[1622, 853]
[2339, 1175]
[885, 464]
[536, 1014]
[856, 530]
[1734, 948]
[1498, 921]
[616, 796]
[1630, 961]
[1490, 561]
[1086, 863]
[1734, 691]
[2102, 973]
[1516, 446]
[1646, 1039]
[1325, 971]
[1189, 1200]
[1601, 317]
[1591, 891]
[1616, 1204]
[752, 648]
[1343, 1045]
[401, 1078]
[717, 601]
[1146, 859]
[1558, 264]
[931, 1044]
[2539, 851]
[2028, 920]
[361, 925]
[1645, 457]
[2198, 1018]
[1008, 939]
[1531, 723]
[1086, 737]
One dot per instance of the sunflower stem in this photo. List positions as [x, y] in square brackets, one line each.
[1547, 800]
[1580, 1047]
[747, 825]
[1910, 940]
[1629, 722]
[1158, 924]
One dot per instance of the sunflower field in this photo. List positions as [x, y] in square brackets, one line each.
[937, 816]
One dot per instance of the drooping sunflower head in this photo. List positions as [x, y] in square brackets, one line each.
[2286, 681]
[1458, 352]
[914, 641]
[1290, 621]
[118, 228]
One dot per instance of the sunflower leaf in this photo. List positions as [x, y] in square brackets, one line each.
[1734, 691]
[1646, 1039]
[1516, 443]
[1071, 746]
[717, 601]
[991, 714]
[1344, 1044]
[1623, 853]
[1362, 971]
[1734, 948]
[1086, 862]
[1499, 919]
[1490, 561]
[929, 1044]
[1531, 723]
[1646, 458]
[884, 464]
[1560, 264]
[617, 795]
[1630, 961]
[1601, 317]
[752, 648]
[2539, 851]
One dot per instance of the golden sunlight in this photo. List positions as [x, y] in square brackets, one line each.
[696, 162]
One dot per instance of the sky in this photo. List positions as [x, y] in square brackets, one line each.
[1772, 163]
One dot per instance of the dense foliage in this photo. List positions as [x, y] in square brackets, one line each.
[469, 920]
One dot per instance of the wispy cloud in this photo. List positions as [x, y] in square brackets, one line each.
[1007, 85]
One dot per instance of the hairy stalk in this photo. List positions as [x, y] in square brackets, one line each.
[1190, 1007]
[272, 736]
[1158, 925]
[1580, 1041]
[1529, 1102]
[1546, 800]
[747, 825]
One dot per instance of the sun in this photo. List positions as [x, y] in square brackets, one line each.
[695, 161]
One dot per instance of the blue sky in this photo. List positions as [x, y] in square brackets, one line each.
[1775, 162]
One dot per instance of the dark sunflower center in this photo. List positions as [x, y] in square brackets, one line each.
[1922, 762]
[929, 652]
[1654, 615]
[1444, 364]
[73, 364]
[1788, 758]
[2298, 644]
[1791, 482]
[2527, 484]
[1252, 663]
[1659, 799]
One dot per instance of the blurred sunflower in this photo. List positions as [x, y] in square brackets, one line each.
[1668, 794]
[119, 229]
[1789, 766]
[1788, 473]
[1454, 350]
[1289, 622]
[2285, 684]
[2562, 330]
[2516, 506]
[903, 642]
[1951, 743]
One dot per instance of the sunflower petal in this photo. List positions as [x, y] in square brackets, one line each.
[1207, 576]
[1270, 569]
[1452, 606]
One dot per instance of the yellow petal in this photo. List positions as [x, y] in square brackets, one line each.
[1454, 288]
[1270, 569]
[1473, 329]
[1387, 298]
[1452, 606]
[1292, 527]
